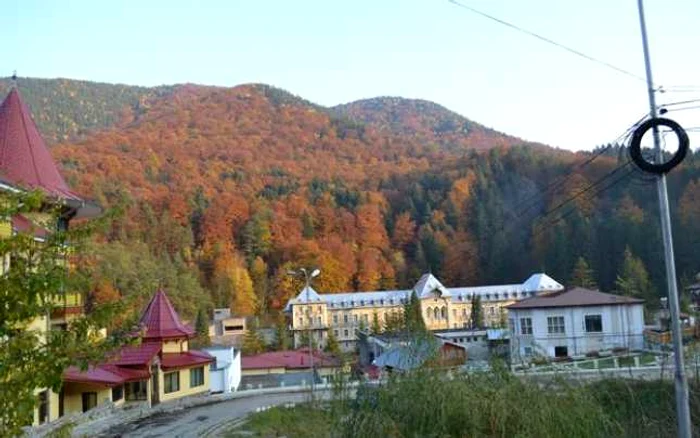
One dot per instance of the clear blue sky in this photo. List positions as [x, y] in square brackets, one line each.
[333, 52]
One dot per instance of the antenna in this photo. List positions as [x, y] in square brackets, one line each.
[13, 84]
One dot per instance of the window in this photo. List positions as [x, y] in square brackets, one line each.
[335, 319]
[345, 319]
[525, 326]
[319, 321]
[117, 393]
[335, 333]
[365, 319]
[196, 377]
[171, 382]
[354, 319]
[43, 406]
[594, 324]
[89, 400]
[443, 313]
[555, 324]
[301, 321]
[136, 390]
[511, 325]
[527, 351]
[429, 312]
[345, 333]
[436, 313]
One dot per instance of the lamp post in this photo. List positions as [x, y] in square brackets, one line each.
[308, 276]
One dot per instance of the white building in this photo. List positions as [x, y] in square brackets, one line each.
[573, 323]
[225, 371]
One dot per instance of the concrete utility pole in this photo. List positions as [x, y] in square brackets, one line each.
[308, 276]
[681, 381]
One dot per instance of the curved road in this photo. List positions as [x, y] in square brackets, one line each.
[207, 420]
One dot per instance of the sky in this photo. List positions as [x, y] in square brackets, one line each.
[333, 52]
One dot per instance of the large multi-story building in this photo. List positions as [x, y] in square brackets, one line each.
[26, 164]
[442, 308]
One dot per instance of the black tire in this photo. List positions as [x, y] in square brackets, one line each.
[636, 147]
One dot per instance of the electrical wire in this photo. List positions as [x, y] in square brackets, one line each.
[548, 41]
[569, 173]
[548, 225]
[682, 102]
[587, 189]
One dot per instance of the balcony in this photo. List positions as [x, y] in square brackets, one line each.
[314, 326]
[69, 304]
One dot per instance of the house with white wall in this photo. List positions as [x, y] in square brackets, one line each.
[225, 371]
[573, 323]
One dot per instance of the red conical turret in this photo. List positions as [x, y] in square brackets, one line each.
[161, 321]
[25, 161]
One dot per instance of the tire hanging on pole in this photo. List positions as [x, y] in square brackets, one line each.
[636, 146]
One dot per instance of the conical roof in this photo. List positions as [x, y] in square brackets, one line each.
[161, 321]
[25, 160]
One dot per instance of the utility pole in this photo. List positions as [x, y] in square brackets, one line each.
[308, 276]
[681, 380]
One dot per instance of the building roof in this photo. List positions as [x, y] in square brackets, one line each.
[161, 321]
[576, 297]
[185, 359]
[20, 224]
[428, 284]
[536, 283]
[106, 374]
[291, 359]
[137, 354]
[25, 160]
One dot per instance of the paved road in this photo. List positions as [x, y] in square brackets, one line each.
[208, 420]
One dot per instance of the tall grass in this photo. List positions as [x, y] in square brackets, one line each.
[432, 404]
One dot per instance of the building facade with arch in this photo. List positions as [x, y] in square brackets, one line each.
[316, 315]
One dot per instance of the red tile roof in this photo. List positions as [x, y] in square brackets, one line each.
[298, 359]
[21, 224]
[187, 359]
[576, 297]
[137, 354]
[161, 321]
[25, 160]
[108, 375]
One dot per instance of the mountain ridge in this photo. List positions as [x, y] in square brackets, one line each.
[70, 109]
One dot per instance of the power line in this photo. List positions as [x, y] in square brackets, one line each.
[684, 109]
[682, 102]
[548, 225]
[587, 189]
[569, 173]
[548, 40]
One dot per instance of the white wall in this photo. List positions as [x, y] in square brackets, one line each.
[229, 378]
[623, 326]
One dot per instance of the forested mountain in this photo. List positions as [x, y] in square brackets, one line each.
[226, 189]
[66, 108]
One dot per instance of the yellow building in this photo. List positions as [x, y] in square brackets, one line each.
[27, 165]
[442, 308]
[161, 368]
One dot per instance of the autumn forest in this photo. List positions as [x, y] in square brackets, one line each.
[224, 190]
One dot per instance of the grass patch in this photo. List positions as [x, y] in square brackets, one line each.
[299, 422]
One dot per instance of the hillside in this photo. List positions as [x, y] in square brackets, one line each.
[65, 108]
[423, 120]
[226, 189]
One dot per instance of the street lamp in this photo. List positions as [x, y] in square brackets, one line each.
[308, 276]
